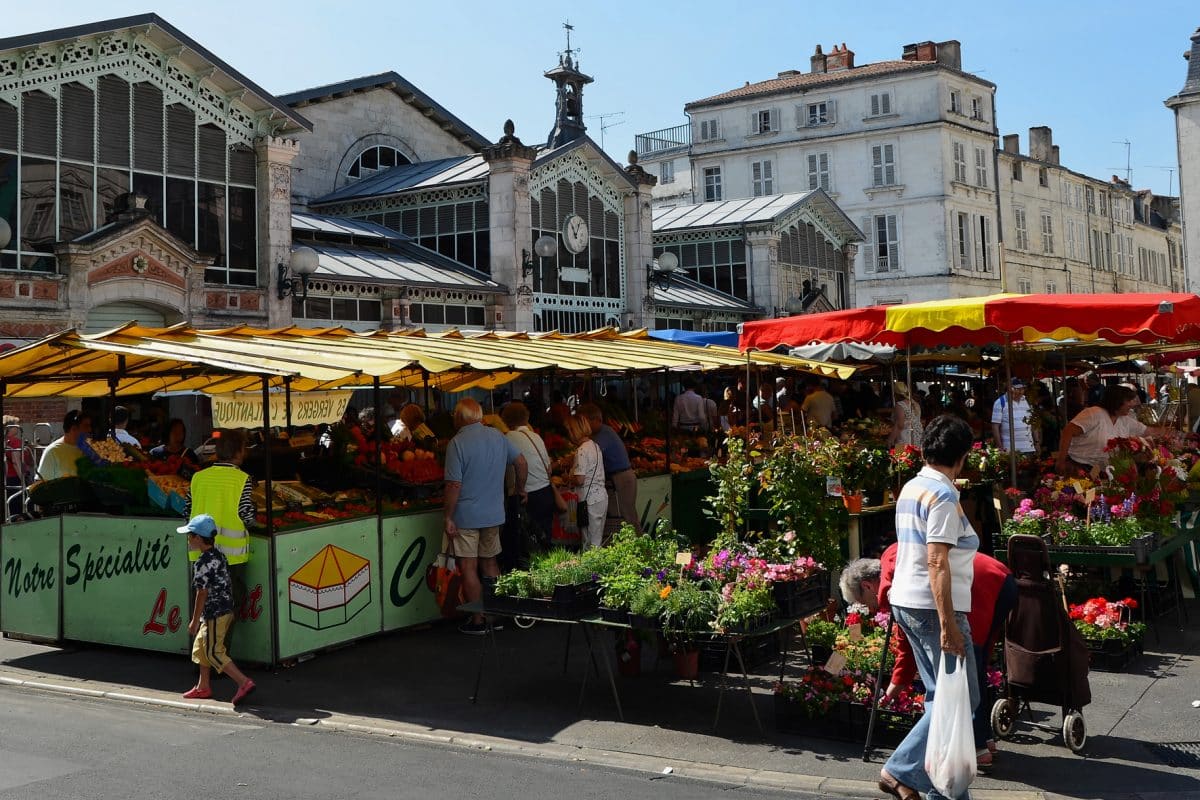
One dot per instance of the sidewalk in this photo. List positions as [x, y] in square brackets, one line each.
[417, 684]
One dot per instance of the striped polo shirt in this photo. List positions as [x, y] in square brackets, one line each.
[928, 511]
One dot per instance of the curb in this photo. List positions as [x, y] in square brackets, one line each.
[723, 774]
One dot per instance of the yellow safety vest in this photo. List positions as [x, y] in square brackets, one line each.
[217, 490]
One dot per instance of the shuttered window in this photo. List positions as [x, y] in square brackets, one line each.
[41, 124]
[241, 165]
[147, 127]
[113, 123]
[8, 126]
[211, 147]
[181, 140]
[78, 122]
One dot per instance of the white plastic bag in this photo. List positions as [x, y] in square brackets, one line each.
[950, 748]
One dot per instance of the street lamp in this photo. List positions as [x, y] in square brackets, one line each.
[5, 233]
[659, 271]
[544, 247]
[303, 263]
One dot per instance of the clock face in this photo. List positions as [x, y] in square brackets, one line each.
[575, 233]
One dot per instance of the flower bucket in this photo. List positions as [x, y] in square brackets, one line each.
[854, 503]
[629, 656]
[687, 664]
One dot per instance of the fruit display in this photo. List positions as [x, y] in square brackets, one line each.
[171, 465]
[110, 450]
[171, 483]
[404, 459]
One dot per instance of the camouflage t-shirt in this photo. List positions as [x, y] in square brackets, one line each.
[211, 572]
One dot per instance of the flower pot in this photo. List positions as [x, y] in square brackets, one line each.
[687, 664]
[854, 503]
[629, 657]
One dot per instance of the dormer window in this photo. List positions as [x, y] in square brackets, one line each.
[375, 159]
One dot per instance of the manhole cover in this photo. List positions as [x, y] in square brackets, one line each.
[1184, 755]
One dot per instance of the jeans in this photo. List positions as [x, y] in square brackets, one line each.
[924, 632]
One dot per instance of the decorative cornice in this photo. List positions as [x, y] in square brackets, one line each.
[637, 174]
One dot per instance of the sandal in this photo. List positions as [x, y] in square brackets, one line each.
[895, 788]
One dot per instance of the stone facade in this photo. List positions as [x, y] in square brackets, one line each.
[345, 126]
[881, 139]
[1068, 232]
[1186, 106]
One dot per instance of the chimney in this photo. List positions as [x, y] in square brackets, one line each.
[787, 73]
[1012, 143]
[1054, 155]
[1041, 140]
[949, 54]
[839, 59]
[922, 51]
[818, 60]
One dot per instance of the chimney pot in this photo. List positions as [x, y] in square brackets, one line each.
[839, 59]
[1054, 155]
[1041, 140]
[1012, 143]
[818, 61]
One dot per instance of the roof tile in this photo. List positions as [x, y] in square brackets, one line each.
[807, 80]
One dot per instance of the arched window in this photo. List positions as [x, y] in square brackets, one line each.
[374, 159]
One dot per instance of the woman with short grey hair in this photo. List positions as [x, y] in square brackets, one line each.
[860, 582]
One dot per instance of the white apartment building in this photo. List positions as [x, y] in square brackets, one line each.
[1068, 232]
[1186, 106]
[906, 148]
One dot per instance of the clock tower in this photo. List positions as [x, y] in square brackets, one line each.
[569, 83]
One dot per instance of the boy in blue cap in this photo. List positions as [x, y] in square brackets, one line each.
[213, 612]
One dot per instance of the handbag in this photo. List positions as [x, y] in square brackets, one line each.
[950, 748]
[444, 578]
[560, 502]
[581, 507]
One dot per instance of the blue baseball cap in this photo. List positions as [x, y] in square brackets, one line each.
[203, 525]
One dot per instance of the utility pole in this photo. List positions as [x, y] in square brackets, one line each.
[606, 125]
[1170, 177]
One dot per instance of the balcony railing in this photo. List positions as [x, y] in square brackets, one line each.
[665, 139]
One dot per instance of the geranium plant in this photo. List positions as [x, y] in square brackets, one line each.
[1099, 619]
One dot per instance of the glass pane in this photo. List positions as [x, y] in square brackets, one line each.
[369, 159]
[110, 183]
[456, 315]
[75, 201]
[370, 310]
[415, 313]
[318, 307]
[243, 242]
[210, 231]
[8, 195]
[38, 191]
[475, 316]
[435, 315]
[152, 187]
[345, 309]
[387, 157]
[181, 209]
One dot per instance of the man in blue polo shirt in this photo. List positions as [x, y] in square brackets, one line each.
[618, 473]
[474, 506]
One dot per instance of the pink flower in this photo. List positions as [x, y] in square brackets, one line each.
[789, 536]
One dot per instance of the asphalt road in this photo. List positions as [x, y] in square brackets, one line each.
[67, 748]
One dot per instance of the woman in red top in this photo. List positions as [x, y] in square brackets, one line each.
[993, 594]
[17, 467]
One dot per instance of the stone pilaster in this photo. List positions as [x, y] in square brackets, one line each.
[762, 254]
[639, 246]
[274, 177]
[511, 228]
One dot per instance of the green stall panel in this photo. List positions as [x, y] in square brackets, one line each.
[327, 584]
[250, 636]
[654, 500]
[410, 543]
[690, 491]
[30, 604]
[125, 582]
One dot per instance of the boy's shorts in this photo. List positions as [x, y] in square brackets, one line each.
[208, 650]
[476, 542]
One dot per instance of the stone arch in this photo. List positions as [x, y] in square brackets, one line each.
[362, 143]
[169, 301]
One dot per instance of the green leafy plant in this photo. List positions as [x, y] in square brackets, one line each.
[618, 590]
[688, 609]
[514, 584]
[649, 600]
[793, 477]
[821, 633]
[744, 605]
[728, 504]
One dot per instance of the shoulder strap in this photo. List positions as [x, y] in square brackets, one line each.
[539, 452]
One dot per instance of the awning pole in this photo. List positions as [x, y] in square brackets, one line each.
[266, 401]
[1063, 411]
[377, 399]
[633, 382]
[746, 408]
[1012, 437]
[667, 418]
[287, 403]
[425, 382]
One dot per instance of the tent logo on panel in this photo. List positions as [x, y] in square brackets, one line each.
[330, 589]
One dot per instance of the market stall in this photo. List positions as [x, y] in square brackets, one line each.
[328, 569]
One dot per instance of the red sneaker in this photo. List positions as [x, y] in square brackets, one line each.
[196, 693]
[243, 690]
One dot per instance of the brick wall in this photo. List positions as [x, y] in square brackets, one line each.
[31, 411]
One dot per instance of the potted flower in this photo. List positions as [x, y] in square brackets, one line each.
[1106, 626]
[821, 636]
[744, 607]
[689, 611]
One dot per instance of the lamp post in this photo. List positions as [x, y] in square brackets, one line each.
[5, 233]
[293, 276]
[659, 271]
[544, 247]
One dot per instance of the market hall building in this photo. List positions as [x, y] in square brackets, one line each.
[143, 178]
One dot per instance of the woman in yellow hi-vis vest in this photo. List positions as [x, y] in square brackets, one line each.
[223, 492]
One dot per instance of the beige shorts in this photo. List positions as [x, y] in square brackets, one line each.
[476, 542]
[208, 649]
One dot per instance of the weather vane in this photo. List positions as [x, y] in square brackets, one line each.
[569, 27]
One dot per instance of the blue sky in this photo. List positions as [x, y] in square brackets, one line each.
[1095, 72]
